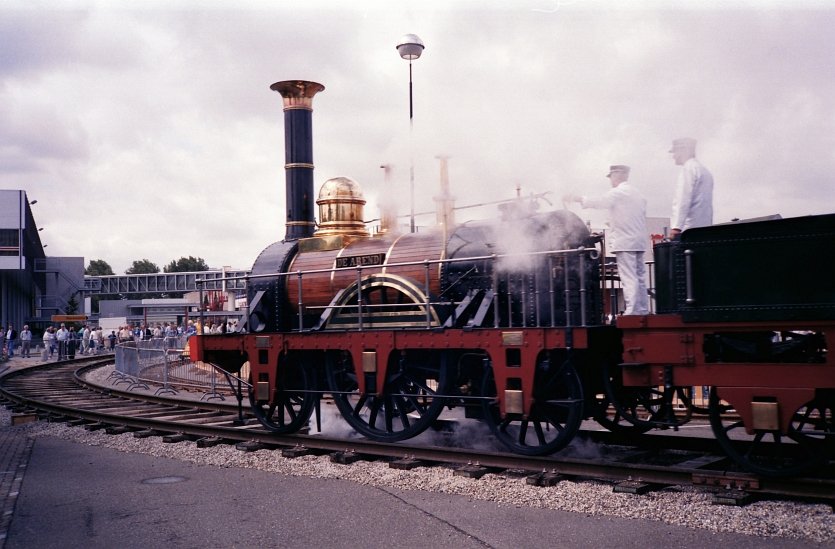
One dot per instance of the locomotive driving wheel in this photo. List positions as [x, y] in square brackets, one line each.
[411, 400]
[291, 402]
[554, 417]
[809, 442]
[613, 417]
[639, 409]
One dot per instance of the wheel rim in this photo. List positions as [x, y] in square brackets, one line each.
[411, 401]
[291, 404]
[807, 444]
[554, 417]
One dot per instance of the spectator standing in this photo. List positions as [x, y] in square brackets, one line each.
[85, 339]
[693, 198]
[25, 341]
[61, 337]
[11, 340]
[628, 237]
[72, 342]
[95, 341]
[112, 340]
[49, 341]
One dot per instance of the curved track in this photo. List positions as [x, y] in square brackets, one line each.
[58, 392]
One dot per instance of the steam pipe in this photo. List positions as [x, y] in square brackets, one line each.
[567, 292]
[298, 154]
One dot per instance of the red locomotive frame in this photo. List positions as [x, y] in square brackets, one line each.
[659, 349]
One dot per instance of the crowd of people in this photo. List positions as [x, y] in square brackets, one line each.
[61, 342]
[10, 339]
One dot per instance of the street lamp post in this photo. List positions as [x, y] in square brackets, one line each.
[411, 47]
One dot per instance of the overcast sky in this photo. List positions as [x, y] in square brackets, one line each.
[152, 133]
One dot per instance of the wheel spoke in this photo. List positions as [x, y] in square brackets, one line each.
[291, 411]
[758, 438]
[415, 403]
[540, 435]
[401, 409]
[373, 411]
[359, 405]
[553, 420]
[734, 425]
[422, 385]
[523, 431]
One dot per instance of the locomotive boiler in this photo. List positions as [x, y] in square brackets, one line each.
[502, 322]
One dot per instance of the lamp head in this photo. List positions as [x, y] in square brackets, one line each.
[410, 47]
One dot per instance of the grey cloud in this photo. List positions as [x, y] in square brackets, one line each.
[33, 136]
[516, 93]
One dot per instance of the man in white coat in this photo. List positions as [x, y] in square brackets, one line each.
[693, 198]
[628, 237]
[61, 336]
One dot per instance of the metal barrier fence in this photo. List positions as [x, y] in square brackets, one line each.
[165, 362]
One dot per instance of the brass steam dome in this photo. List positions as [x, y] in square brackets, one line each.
[341, 208]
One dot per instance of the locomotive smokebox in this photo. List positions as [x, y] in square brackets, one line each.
[298, 154]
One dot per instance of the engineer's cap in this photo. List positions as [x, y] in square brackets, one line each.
[683, 143]
[619, 168]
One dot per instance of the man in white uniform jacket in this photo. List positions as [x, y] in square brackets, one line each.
[628, 236]
[693, 198]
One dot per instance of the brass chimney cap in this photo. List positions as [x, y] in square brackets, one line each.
[297, 88]
[297, 93]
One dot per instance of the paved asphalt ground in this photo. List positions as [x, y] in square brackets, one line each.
[61, 494]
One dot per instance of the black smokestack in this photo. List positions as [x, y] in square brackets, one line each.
[298, 154]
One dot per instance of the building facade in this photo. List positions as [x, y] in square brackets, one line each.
[20, 249]
[33, 287]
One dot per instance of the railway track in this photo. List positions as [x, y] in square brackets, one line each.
[59, 392]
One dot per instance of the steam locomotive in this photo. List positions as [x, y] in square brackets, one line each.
[504, 322]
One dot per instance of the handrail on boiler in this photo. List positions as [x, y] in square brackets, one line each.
[565, 255]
